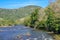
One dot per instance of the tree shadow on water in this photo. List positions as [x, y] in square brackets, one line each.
[1, 38]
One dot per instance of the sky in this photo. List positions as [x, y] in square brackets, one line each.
[12, 4]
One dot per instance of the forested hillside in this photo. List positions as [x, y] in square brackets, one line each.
[16, 13]
[13, 16]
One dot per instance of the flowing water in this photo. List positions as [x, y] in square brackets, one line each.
[20, 32]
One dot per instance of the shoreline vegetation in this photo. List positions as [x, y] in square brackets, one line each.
[6, 26]
[55, 36]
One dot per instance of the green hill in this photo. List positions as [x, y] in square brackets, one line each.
[13, 14]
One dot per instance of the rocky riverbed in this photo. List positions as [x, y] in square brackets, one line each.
[21, 32]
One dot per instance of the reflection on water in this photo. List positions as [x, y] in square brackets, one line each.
[22, 33]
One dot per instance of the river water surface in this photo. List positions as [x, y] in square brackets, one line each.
[20, 32]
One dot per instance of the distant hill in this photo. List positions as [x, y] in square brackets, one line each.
[13, 14]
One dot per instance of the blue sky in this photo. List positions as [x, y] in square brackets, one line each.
[21, 3]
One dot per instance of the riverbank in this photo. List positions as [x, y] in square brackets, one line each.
[6, 26]
[55, 36]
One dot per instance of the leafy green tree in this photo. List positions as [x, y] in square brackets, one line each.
[27, 21]
[57, 26]
[41, 25]
[34, 19]
[50, 19]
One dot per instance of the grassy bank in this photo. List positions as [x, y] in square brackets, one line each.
[55, 36]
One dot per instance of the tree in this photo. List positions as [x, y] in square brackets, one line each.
[57, 26]
[34, 19]
[50, 19]
[27, 21]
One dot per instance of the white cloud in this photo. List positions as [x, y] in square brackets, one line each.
[23, 4]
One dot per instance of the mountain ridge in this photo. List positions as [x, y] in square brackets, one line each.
[17, 13]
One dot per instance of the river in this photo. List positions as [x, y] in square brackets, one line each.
[21, 32]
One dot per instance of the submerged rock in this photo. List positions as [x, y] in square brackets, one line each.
[28, 34]
[19, 36]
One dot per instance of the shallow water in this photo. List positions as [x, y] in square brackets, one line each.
[22, 33]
